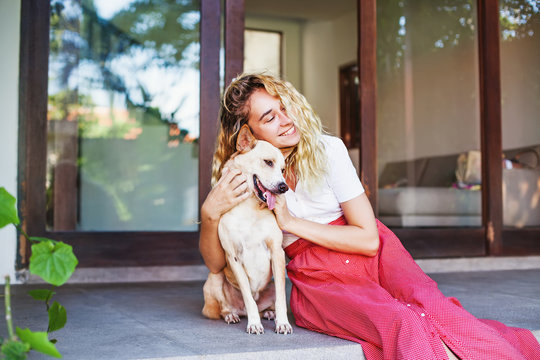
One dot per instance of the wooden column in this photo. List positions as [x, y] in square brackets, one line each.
[210, 92]
[490, 118]
[367, 70]
[234, 38]
[34, 60]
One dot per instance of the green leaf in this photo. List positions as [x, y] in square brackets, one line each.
[57, 317]
[41, 294]
[53, 262]
[38, 341]
[8, 211]
[15, 350]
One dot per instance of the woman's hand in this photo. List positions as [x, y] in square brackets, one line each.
[230, 190]
[283, 216]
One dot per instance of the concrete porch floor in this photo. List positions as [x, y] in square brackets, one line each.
[163, 320]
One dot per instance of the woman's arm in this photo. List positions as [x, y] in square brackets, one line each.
[359, 236]
[230, 190]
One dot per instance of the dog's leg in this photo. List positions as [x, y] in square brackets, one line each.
[218, 294]
[254, 321]
[234, 307]
[212, 289]
[278, 269]
[266, 302]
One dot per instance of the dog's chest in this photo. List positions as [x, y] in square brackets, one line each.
[245, 232]
[247, 228]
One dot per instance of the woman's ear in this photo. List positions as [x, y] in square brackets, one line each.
[245, 141]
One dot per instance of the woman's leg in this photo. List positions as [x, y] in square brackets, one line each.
[467, 336]
[359, 309]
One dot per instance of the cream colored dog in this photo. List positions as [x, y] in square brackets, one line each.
[252, 241]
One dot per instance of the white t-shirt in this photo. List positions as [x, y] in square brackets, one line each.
[322, 205]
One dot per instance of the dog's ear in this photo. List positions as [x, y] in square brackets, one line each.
[245, 141]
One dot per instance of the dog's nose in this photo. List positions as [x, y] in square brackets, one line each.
[282, 187]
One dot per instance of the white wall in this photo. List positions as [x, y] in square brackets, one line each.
[327, 45]
[9, 99]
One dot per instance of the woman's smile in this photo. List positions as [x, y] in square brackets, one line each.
[291, 131]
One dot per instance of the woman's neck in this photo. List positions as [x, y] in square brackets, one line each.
[290, 179]
[287, 151]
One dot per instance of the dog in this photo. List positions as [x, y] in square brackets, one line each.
[252, 241]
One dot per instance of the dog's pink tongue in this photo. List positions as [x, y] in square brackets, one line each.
[270, 200]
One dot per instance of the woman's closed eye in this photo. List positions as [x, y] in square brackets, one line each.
[271, 116]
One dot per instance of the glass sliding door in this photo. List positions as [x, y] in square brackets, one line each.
[428, 118]
[305, 42]
[123, 116]
[520, 92]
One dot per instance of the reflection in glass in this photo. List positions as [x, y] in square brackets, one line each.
[123, 115]
[520, 90]
[428, 113]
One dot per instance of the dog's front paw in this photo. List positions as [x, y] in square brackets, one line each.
[255, 328]
[284, 328]
[269, 315]
[231, 318]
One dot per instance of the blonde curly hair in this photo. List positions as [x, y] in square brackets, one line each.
[308, 159]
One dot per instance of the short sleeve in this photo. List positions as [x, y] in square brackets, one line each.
[342, 176]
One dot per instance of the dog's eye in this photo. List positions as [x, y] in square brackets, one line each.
[283, 171]
[269, 163]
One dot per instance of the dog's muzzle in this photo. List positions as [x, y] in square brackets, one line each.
[267, 195]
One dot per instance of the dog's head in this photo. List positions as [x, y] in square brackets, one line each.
[263, 164]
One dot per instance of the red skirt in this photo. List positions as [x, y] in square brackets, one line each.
[391, 307]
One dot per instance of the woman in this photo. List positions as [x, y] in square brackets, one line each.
[351, 276]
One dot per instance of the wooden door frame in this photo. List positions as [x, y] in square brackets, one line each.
[104, 248]
[346, 122]
[180, 248]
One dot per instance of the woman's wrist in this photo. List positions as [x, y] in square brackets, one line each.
[289, 224]
[209, 215]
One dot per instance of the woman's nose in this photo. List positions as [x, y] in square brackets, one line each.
[284, 119]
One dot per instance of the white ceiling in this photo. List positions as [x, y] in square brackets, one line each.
[300, 9]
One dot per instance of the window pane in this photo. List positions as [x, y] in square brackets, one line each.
[428, 113]
[123, 115]
[262, 51]
[520, 90]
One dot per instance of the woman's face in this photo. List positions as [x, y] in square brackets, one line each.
[268, 121]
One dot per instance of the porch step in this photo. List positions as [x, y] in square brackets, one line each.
[200, 272]
[162, 320]
[345, 352]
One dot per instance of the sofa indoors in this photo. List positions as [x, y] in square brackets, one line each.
[445, 191]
